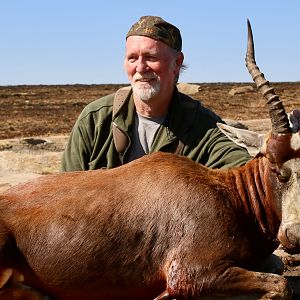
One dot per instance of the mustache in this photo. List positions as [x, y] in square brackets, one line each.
[146, 76]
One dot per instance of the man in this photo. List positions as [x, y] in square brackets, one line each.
[152, 115]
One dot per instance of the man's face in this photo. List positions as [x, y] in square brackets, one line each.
[151, 67]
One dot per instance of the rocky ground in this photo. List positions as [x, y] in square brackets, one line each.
[35, 122]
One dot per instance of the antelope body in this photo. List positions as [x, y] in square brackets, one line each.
[160, 227]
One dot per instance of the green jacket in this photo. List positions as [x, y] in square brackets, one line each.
[91, 143]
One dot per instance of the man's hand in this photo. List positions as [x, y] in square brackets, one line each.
[294, 118]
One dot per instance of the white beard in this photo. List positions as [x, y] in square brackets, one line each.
[144, 90]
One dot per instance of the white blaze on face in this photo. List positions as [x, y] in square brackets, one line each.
[289, 232]
[291, 194]
[295, 141]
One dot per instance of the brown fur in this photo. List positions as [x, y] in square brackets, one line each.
[279, 150]
[159, 223]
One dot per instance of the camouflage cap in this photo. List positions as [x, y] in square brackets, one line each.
[158, 29]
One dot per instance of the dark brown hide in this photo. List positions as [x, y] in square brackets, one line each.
[279, 149]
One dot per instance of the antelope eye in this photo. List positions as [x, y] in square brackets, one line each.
[284, 174]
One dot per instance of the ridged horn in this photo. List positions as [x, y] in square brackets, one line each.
[279, 119]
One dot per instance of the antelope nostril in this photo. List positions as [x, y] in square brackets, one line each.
[289, 236]
[293, 235]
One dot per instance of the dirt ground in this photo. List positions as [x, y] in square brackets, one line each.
[52, 110]
[35, 122]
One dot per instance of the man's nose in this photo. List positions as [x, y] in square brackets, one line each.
[141, 66]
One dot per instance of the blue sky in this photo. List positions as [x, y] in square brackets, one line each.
[72, 41]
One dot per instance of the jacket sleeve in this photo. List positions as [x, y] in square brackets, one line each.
[223, 153]
[76, 155]
[89, 145]
[209, 146]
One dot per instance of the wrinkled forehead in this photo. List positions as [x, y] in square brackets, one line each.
[295, 146]
[283, 147]
[146, 45]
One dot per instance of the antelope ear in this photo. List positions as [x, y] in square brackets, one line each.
[252, 141]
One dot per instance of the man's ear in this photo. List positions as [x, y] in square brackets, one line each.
[179, 60]
[178, 65]
[252, 141]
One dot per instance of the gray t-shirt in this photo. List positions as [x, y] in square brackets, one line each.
[143, 134]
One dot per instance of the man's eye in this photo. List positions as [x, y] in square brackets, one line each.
[151, 58]
[131, 59]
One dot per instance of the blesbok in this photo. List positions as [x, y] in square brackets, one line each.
[162, 226]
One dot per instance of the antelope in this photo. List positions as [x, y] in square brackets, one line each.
[160, 227]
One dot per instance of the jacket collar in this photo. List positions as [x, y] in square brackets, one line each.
[179, 121]
[180, 118]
